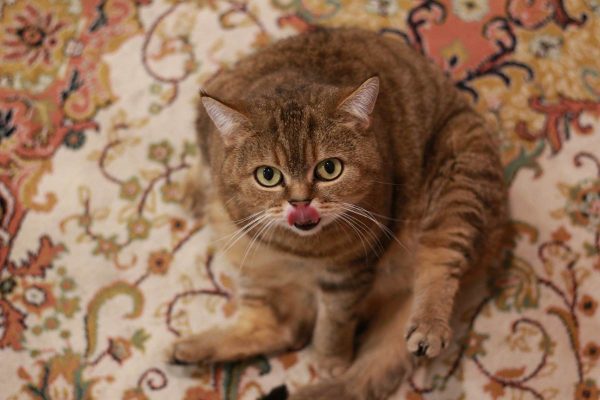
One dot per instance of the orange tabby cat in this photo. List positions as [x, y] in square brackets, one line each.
[358, 186]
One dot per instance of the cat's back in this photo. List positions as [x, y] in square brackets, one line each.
[340, 57]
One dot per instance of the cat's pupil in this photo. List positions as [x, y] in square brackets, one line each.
[268, 173]
[329, 167]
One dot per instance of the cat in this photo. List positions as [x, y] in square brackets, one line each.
[357, 185]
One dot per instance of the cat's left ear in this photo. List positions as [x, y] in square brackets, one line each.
[361, 102]
[230, 123]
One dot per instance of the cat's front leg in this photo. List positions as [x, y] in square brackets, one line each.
[341, 290]
[465, 210]
[428, 330]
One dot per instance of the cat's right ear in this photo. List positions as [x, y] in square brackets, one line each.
[230, 123]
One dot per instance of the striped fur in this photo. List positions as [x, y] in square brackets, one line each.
[421, 201]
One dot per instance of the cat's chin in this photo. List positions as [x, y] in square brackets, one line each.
[307, 229]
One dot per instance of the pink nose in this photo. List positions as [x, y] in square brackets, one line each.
[302, 213]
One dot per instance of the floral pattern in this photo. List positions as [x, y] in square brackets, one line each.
[101, 268]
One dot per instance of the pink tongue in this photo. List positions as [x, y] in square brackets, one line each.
[303, 215]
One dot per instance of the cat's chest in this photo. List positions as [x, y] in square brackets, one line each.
[264, 266]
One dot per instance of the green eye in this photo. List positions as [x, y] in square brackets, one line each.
[268, 176]
[329, 169]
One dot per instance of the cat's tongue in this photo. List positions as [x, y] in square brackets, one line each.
[303, 215]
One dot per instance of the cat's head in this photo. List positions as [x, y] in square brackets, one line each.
[298, 159]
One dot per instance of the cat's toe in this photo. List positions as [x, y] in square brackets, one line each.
[189, 351]
[427, 338]
[332, 366]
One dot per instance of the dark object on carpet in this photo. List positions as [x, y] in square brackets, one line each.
[278, 393]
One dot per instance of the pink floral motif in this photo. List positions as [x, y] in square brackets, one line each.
[32, 37]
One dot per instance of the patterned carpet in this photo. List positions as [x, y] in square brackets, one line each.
[100, 267]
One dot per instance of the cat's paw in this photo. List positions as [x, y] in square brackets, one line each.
[330, 366]
[427, 337]
[190, 350]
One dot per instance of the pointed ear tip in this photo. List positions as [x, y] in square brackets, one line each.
[205, 97]
[374, 80]
[207, 100]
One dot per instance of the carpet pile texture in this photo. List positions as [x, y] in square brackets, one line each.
[101, 268]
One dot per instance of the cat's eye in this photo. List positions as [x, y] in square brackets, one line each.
[329, 169]
[268, 176]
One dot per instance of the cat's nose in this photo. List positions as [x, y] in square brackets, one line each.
[300, 203]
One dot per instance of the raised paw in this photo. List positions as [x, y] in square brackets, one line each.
[427, 337]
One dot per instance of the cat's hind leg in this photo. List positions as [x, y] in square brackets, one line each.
[264, 325]
[381, 363]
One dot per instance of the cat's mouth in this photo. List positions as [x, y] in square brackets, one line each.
[307, 225]
[304, 217]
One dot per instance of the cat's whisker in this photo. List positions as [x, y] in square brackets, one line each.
[337, 221]
[389, 183]
[230, 200]
[234, 235]
[367, 230]
[390, 218]
[379, 248]
[229, 235]
[342, 223]
[387, 231]
[245, 230]
[323, 208]
[263, 234]
[356, 230]
[362, 229]
[365, 213]
[248, 247]
[237, 221]
[241, 232]
[271, 233]
[345, 222]
[254, 241]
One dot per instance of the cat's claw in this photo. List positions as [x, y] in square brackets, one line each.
[175, 361]
[426, 337]
[422, 349]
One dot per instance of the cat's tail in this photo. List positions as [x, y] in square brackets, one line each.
[381, 363]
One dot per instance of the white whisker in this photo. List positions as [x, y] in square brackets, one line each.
[356, 230]
[241, 232]
[367, 214]
[389, 183]
[230, 200]
[253, 241]
[263, 234]
[229, 235]
[367, 230]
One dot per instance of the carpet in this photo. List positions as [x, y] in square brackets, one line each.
[101, 268]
